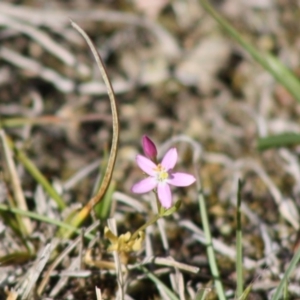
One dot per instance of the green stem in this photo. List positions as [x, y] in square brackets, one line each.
[209, 247]
[143, 227]
[36, 174]
[157, 202]
[38, 217]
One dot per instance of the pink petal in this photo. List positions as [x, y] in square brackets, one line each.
[144, 186]
[164, 195]
[170, 159]
[181, 179]
[149, 147]
[146, 165]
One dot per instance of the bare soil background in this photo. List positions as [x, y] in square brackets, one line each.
[182, 81]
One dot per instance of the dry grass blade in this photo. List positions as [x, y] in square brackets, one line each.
[61, 257]
[11, 295]
[35, 16]
[113, 153]
[170, 262]
[118, 265]
[98, 293]
[34, 273]
[40, 37]
[16, 184]
[62, 84]
[64, 278]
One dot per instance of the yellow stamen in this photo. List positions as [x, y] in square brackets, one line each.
[162, 174]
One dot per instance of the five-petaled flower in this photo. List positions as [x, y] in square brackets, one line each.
[161, 176]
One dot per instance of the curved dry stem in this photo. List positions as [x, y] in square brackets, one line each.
[79, 218]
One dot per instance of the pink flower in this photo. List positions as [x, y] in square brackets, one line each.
[149, 148]
[161, 176]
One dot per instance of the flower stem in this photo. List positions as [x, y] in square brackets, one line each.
[157, 202]
[143, 227]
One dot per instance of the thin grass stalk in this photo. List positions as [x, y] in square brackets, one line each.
[286, 139]
[41, 218]
[62, 255]
[36, 174]
[85, 211]
[239, 250]
[288, 272]
[103, 208]
[19, 198]
[98, 293]
[201, 295]
[286, 292]
[209, 248]
[51, 120]
[209, 242]
[112, 225]
[246, 293]
[159, 284]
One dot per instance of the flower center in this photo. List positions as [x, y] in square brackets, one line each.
[161, 174]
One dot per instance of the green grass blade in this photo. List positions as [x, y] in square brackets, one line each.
[246, 293]
[209, 247]
[16, 186]
[16, 258]
[37, 175]
[13, 222]
[267, 61]
[279, 140]
[159, 284]
[286, 292]
[290, 269]
[38, 217]
[102, 209]
[201, 295]
[282, 74]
